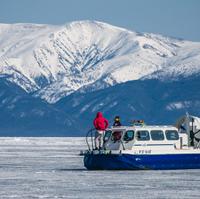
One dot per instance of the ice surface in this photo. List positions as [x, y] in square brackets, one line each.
[51, 168]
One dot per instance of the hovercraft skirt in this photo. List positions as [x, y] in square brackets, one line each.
[141, 162]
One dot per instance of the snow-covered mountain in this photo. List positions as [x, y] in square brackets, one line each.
[53, 79]
[52, 62]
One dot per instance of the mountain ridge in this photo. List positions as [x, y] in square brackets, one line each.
[80, 55]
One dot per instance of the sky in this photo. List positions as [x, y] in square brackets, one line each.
[176, 18]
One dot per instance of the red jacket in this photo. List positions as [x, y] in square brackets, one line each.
[100, 123]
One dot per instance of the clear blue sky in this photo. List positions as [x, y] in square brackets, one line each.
[178, 18]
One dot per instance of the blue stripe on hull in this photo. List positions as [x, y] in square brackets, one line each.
[135, 162]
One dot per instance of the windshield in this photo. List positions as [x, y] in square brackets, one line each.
[107, 135]
[128, 136]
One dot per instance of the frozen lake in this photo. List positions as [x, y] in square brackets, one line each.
[52, 168]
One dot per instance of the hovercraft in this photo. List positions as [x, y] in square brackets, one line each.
[140, 146]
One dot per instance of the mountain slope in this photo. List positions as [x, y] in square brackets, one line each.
[52, 62]
[23, 115]
[155, 101]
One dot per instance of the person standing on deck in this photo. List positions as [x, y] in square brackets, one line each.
[117, 121]
[100, 124]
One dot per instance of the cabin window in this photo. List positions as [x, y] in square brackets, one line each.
[116, 136]
[157, 135]
[107, 135]
[172, 135]
[143, 135]
[128, 136]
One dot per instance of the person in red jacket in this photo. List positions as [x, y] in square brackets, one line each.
[100, 124]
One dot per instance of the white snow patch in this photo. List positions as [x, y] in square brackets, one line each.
[178, 105]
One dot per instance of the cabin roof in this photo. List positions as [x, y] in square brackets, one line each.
[145, 127]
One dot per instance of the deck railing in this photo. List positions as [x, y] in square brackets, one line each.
[90, 139]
